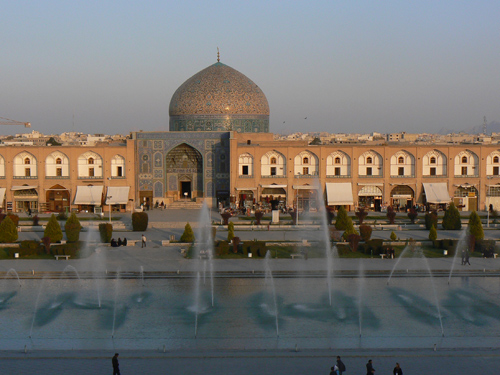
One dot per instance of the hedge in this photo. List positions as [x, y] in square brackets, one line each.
[140, 221]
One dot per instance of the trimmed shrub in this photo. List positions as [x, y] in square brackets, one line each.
[46, 244]
[230, 232]
[62, 216]
[8, 231]
[36, 220]
[258, 216]
[475, 227]
[53, 230]
[446, 244]
[225, 217]
[433, 234]
[344, 249]
[350, 229]
[222, 248]
[188, 235]
[73, 228]
[14, 218]
[256, 248]
[431, 218]
[342, 222]
[140, 221]
[353, 240]
[236, 243]
[487, 247]
[106, 232]
[366, 232]
[393, 236]
[361, 214]
[391, 215]
[374, 247]
[412, 215]
[451, 219]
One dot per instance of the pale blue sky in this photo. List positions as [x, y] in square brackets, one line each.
[348, 66]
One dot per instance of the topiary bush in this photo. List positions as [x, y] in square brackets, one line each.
[412, 215]
[361, 214]
[140, 221]
[8, 231]
[14, 218]
[73, 228]
[353, 240]
[188, 235]
[475, 227]
[106, 232]
[342, 222]
[393, 236]
[225, 217]
[222, 248]
[53, 230]
[36, 220]
[366, 232]
[433, 234]
[230, 232]
[451, 219]
[391, 215]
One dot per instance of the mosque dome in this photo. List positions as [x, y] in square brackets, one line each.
[219, 98]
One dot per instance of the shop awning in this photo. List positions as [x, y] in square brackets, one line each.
[274, 186]
[117, 195]
[17, 188]
[2, 196]
[436, 192]
[245, 188]
[370, 191]
[88, 195]
[339, 194]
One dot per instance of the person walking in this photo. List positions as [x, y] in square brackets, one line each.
[143, 241]
[340, 365]
[369, 368]
[467, 256]
[397, 370]
[116, 365]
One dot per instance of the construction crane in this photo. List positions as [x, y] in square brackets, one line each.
[7, 121]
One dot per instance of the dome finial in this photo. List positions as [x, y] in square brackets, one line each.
[218, 55]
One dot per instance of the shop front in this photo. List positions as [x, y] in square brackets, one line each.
[306, 197]
[273, 194]
[89, 198]
[371, 197]
[466, 198]
[25, 198]
[402, 198]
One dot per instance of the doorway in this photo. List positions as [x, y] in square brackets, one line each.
[185, 189]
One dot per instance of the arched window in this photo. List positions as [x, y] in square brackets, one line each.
[464, 159]
[58, 161]
[337, 160]
[305, 161]
[433, 160]
[369, 160]
[495, 159]
[91, 161]
[401, 160]
[273, 160]
[27, 161]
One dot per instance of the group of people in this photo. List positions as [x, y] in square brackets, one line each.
[118, 243]
[339, 368]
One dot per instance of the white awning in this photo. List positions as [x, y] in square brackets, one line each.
[306, 187]
[245, 188]
[2, 196]
[436, 192]
[117, 195]
[16, 188]
[274, 186]
[370, 191]
[339, 194]
[88, 195]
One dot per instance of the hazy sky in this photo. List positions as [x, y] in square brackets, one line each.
[348, 66]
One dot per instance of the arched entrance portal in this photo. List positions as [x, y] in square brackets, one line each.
[57, 198]
[184, 172]
[402, 197]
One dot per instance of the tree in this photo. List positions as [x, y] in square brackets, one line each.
[315, 141]
[52, 142]
[451, 219]
[188, 235]
[361, 214]
[73, 228]
[393, 236]
[350, 229]
[412, 215]
[343, 219]
[433, 233]
[8, 231]
[475, 228]
[365, 232]
[230, 231]
[431, 218]
[53, 230]
[353, 241]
